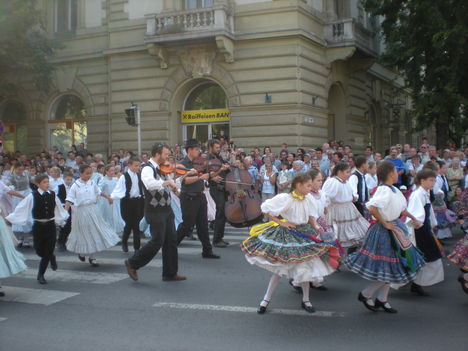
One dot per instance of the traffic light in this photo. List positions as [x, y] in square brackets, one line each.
[131, 118]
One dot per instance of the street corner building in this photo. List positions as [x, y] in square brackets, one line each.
[263, 71]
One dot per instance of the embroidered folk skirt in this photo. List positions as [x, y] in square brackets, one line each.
[291, 253]
[459, 254]
[378, 260]
[348, 224]
[90, 233]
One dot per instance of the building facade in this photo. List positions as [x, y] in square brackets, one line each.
[263, 71]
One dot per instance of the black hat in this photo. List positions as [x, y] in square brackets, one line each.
[191, 143]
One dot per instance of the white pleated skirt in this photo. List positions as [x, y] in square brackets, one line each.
[431, 273]
[348, 224]
[90, 233]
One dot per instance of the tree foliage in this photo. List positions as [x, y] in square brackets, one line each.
[24, 46]
[428, 42]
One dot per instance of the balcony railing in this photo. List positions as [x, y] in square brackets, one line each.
[348, 32]
[190, 24]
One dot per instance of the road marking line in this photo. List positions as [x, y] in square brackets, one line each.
[156, 263]
[35, 296]
[76, 276]
[181, 250]
[2, 319]
[243, 309]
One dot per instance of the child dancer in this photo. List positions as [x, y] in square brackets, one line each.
[47, 211]
[387, 255]
[11, 261]
[445, 218]
[357, 181]
[107, 206]
[342, 215]
[20, 181]
[371, 178]
[129, 189]
[90, 233]
[63, 190]
[420, 206]
[55, 179]
[285, 247]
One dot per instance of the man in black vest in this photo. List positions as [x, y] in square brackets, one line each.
[358, 183]
[129, 188]
[159, 215]
[193, 202]
[218, 193]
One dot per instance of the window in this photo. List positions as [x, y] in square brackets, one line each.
[15, 137]
[65, 16]
[196, 4]
[67, 122]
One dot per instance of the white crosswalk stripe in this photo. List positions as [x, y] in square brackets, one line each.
[2, 319]
[83, 274]
[35, 296]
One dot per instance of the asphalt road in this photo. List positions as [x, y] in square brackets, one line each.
[85, 308]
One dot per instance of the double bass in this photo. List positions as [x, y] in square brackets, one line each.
[243, 206]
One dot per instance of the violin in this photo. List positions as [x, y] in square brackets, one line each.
[174, 168]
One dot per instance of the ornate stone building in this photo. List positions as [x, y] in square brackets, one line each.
[294, 71]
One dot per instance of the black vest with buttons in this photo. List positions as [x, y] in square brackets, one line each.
[128, 185]
[43, 205]
[362, 197]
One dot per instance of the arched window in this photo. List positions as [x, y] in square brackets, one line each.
[206, 96]
[67, 122]
[15, 137]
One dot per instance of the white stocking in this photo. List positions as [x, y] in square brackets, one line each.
[383, 293]
[372, 289]
[305, 291]
[271, 289]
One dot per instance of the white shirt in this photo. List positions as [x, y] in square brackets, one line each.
[418, 199]
[22, 212]
[82, 194]
[54, 183]
[438, 185]
[148, 180]
[338, 191]
[371, 181]
[291, 209]
[389, 203]
[320, 201]
[354, 181]
[120, 189]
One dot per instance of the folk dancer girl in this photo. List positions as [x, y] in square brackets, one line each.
[420, 206]
[346, 221]
[90, 233]
[289, 247]
[387, 256]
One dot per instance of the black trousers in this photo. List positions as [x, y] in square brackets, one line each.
[163, 235]
[132, 213]
[44, 239]
[219, 197]
[194, 212]
[64, 232]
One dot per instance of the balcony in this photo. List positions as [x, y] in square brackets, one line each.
[348, 32]
[192, 24]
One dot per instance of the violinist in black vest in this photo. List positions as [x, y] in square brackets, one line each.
[159, 215]
[47, 211]
[193, 202]
[129, 189]
[218, 193]
[357, 181]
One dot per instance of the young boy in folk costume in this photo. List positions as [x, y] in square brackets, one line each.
[420, 206]
[47, 211]
[387, 256]
[63, 190]
[286, 247]
[358, 182]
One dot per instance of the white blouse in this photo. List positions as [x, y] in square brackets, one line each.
[337, 191]
[418, 199]
[389, 204]
[54, 183]
[320, 201]
[22, 212]
[371, 181]
[291, 209]
[82, 193]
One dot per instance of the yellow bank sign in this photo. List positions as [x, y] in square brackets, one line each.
[220, 115]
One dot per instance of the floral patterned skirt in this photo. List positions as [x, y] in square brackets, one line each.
[378, 260]
[297, 254]
[459, 254]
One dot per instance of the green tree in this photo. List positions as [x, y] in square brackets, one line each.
[24, 46]
[428, 42]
